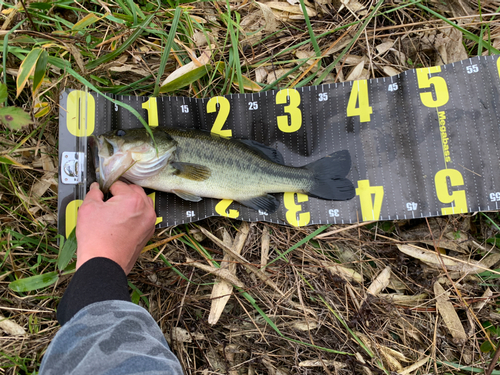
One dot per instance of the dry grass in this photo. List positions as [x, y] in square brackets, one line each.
[348, 301]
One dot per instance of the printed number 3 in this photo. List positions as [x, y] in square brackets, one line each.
[293, 121]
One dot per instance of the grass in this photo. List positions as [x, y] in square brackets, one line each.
[295, 311]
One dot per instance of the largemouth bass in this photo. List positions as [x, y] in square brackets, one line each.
[193, 164]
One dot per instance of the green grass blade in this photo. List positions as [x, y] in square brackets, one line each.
[112, 55]
[67, 251]
[166, 51]
[330, 67]
[298, 244]
[314, 42]
[467, 34]
[28, 284]
[40, 68]
[186, 79]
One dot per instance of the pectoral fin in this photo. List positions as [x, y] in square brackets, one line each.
[186, 196]
[266, 203]
[190, 171]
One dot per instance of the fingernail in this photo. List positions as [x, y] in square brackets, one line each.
[94, 185]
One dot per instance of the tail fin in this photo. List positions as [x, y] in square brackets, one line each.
[329, 177]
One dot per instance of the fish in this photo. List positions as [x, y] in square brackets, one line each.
[196, 164]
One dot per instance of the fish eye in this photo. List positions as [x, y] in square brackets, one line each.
[120, 133]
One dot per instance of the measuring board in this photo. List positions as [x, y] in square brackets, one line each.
[423, 143]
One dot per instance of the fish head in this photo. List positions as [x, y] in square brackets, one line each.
[131, 154]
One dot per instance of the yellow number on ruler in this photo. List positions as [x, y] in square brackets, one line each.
[223, 205]
[458, 197]
[359, 96]
[221, 118]
[498, 67]
[71, 214]
[151, 107]
[293, 122]
[440, 87]
[153, 197]
[77, 102]
[293, 208]
[370, 208]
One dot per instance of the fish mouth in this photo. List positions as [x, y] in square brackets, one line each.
[133, 164]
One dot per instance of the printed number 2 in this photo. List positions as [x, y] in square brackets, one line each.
[359, 96]
[457, 198]
[221, 118]
[293, 214]
[440, 87]
[370, 208]
[293, 121]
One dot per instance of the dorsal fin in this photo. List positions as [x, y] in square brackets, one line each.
[265, 151]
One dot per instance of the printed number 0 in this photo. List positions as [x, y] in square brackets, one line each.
[221, 118]
[293, 121]
[440, 87]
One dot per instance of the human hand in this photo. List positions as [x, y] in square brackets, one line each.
[117, 229]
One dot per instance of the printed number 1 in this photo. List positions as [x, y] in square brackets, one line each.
[152, 108]
[370, 208]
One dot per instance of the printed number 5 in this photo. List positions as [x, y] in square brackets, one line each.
[440, 87]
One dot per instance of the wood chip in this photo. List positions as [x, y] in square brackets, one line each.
[448, 313]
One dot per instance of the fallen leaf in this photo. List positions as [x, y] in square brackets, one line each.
[272, 22]
[380, 282]
[11, 327]
[14, 117]
[448, 313]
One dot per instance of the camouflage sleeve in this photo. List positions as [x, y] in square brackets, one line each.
[110, 337]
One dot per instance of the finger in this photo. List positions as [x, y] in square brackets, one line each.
[120, 188]
[94, 194]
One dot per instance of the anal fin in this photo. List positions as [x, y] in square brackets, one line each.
[266, 203]
[187, 196]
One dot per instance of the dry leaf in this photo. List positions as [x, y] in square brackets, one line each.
[415, 366]
[356, 72]
[346, 273]
[448, 313]
[11, 327]
[272, 22]
[321, 363]
[404, 300]
[384, 47]
[380, 283]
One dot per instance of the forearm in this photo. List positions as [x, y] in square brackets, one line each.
[103, 332]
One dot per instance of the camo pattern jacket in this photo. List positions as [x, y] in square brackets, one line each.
[107, 336]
